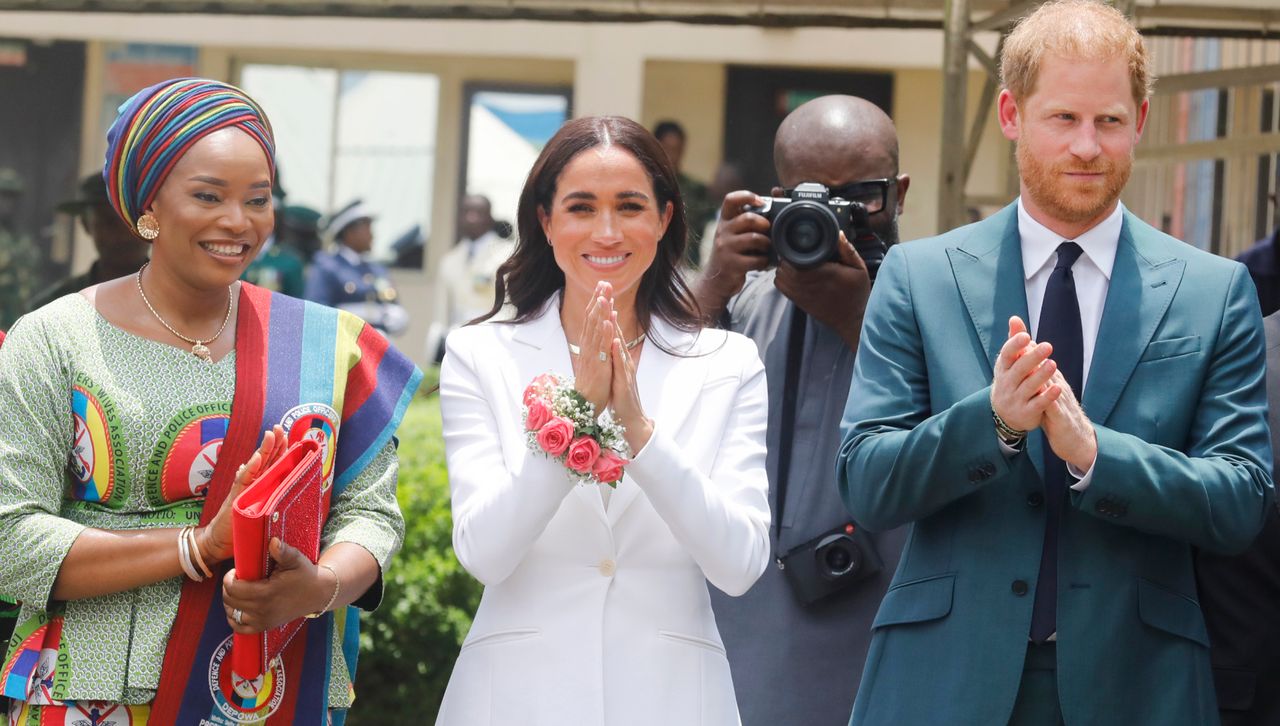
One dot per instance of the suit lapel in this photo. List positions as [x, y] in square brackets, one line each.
[991, 280]
[992, 254]
[1143, 282]
[541, 347]
[669, 386]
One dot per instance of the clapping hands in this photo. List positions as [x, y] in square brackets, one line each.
[1029, 392]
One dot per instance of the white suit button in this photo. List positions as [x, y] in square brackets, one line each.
[608, 567]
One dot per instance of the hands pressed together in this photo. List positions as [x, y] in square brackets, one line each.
[604, 371]
[1029, 392]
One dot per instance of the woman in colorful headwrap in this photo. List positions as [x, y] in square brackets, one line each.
[142, 402]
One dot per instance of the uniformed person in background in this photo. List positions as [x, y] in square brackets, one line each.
[465, 280]
[120, 251]
[348, 279]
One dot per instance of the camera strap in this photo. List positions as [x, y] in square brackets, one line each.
[787, 420]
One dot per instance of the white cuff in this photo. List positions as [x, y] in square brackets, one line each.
[1009, 451]
[1084, 478]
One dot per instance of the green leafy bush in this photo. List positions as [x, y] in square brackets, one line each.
[408, 646]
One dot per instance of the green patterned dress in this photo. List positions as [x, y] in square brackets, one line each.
[102, 428]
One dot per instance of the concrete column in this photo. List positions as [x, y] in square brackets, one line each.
[608, 76]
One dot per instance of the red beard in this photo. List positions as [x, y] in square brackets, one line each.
[1072, 201]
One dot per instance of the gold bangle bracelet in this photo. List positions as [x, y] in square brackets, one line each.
[337, 587]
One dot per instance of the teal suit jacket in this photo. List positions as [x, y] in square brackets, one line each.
[1176, 394]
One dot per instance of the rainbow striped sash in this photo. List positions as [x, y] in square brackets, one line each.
[323, 374]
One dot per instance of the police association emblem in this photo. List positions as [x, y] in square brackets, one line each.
[317, 422]
[190, 463]
[48, 681]
[244, 700]
[97, 713]
[184, 458]
[42, 679]
[92, 461]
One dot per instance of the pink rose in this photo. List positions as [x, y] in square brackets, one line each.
[554, 435]
[532, 394]
[583, 452]
[541, 386]
[608, 468]
[539, 414]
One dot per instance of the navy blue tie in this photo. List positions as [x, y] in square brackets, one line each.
[1059, 325]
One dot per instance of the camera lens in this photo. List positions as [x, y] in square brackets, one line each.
[837, 559]
[838, 555]
[804, 236]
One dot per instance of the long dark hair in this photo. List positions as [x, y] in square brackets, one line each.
[531, 276]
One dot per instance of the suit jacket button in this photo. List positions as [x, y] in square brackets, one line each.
[1035, 499]
[989, 469]
[1019, 587]
[608, 567]
[1102, 506]
[975, 476]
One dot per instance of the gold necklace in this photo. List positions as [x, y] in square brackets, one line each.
[578, 351]
[198, 347]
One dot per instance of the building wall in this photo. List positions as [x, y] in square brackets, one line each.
[693, 94]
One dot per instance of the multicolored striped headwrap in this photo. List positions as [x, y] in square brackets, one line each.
[159, 124]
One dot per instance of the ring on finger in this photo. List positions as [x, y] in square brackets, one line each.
[237, 616]
[603, 356]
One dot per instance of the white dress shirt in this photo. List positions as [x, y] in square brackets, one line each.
[1092, 273]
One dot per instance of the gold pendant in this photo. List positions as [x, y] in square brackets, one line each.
[201, 351]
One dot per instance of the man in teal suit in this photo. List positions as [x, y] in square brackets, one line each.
[1056, 489]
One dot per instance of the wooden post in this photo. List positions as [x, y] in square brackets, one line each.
[955, 88]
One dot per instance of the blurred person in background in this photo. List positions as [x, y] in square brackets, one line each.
[1263, 261]
[410, 248]
[464, 283]
[348, 279]
[300, 230]
[1240, 596]
[699, 206]
[18, 254]
[120, 251]
[727, 179]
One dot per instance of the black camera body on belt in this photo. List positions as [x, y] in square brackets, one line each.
[805, 228]
[831, 562]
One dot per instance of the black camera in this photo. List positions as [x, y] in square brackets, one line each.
[805, 228]
[831, 562]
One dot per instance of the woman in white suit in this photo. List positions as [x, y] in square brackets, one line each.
[595, 609]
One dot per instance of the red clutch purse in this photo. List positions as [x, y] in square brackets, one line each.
[284, 501]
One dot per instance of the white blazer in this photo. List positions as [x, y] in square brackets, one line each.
[592, 616]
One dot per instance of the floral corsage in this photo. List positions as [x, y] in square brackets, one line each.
[562, 425]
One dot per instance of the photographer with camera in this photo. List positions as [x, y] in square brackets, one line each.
[783, 271]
